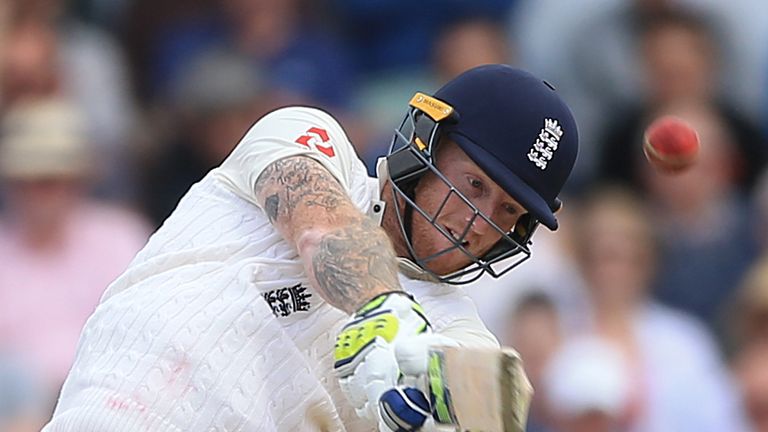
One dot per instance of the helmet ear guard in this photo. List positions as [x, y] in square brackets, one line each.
[420, 133]
[527, 224]
[406, 165]
[521, 233]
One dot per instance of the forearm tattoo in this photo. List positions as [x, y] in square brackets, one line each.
[354, 263]
[354, 259]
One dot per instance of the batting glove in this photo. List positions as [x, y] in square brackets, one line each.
[365, 360]
[419, 396]
[403, 409]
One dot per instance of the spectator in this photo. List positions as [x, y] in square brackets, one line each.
[59, 248]
[54, 55]
[25, 406]
[28, 68]
[589, 51]
[280, 39]
[681, 64]
[749, 342]
[466, 43]
[706, 238]
[759, 211]
[143, 25]
[748, 315]
[678, 380]
[535, 330]
[398, 35]
[752, 378]
[587, 387]
[213, 102]
[462, 44]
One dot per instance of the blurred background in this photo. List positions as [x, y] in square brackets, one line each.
[648, 311]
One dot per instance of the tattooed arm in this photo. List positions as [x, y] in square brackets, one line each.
[349, 259]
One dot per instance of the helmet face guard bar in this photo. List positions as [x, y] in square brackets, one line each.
[410, 157]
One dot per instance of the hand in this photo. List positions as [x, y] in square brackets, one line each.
[418, 384]
[365, 360]
[402, 409]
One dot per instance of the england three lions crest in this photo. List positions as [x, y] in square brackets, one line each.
[546, 143]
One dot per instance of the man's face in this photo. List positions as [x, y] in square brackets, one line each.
[455, 216]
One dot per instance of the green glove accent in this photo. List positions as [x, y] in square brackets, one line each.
[357, 335]
[380, 317]
[440, 396]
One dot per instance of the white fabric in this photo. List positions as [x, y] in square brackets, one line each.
[586, 374]
[680, 382]
[686, 383]
[214, 325]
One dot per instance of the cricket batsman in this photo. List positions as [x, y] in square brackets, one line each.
[288, 291]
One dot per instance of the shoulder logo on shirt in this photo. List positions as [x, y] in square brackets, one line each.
[285, 301]
[318, 138]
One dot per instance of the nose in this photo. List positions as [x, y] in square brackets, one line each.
[478, 225]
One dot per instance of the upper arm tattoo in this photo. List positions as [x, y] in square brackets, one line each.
[296, 181]
[353, 259]
[270, 206]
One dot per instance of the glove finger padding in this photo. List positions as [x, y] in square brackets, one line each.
[392, 316]
[375, 373]
[364, 356]
[412, 354]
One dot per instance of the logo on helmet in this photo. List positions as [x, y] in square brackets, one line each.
[546, 144]
[434, 108]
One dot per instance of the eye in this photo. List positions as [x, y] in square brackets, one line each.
[510, 209]
[475, 183]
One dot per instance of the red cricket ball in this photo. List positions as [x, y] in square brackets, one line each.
[671, 144]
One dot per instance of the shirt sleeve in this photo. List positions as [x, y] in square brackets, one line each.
[288, 132]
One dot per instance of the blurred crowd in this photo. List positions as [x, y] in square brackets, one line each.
[647, 311]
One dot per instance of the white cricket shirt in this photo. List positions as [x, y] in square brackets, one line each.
[214, 326]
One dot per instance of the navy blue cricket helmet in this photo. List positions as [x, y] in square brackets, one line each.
[512, 125]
